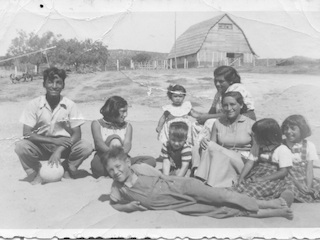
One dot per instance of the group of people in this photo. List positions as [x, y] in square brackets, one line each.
[223, 164]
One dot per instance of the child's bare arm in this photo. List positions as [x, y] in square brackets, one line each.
[194, 113]
[127, 143]
[128, 207]
[281, 173]
[166, 167]
[246, 169]
[183, 170]
[309, 174]
[99, 144]
[161, 122]
[205, 116]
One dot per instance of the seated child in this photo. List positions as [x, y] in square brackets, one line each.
[176, 153]
[113, 129]
[140, 187]
[178, 110]
[305, 186]
[263, 175]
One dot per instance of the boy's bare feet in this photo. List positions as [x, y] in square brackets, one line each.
[67, 175]
[37, 179]
[280, 212]
[273, 203]
[278, 203]
[288, 196]
[33, 178]
[286, 213]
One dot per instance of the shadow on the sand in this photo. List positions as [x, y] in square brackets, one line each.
[81, 173]
[104, 198]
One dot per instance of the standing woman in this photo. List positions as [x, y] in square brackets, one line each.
[226, 79]
[112, 130]
[223, 156]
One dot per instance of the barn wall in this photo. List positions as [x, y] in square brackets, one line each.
[191, 61]
[219, 42]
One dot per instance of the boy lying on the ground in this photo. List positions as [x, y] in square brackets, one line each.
[140, 187]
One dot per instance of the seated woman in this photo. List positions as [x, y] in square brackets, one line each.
[226, 79]
[112, 130]
[223, 156]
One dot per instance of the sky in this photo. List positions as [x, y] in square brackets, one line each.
[274, 28]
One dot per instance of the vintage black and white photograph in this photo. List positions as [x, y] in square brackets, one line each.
[160, 118]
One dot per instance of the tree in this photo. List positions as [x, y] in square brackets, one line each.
[95, 52]
[67, 52]
[141, 57]
[125, 62]
[26, 43]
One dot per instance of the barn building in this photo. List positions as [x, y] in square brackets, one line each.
[214, 42]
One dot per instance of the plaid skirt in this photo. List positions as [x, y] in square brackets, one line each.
[263, 190]
[299, 173]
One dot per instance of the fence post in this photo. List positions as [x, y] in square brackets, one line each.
[35, 69]
[15, 70]
[118, 67]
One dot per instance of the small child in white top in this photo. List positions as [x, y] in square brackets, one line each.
[305, 187]
[178, 110]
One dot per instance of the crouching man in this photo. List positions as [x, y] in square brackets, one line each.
[51, 130]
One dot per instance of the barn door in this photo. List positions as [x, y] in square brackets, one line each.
[235, 59]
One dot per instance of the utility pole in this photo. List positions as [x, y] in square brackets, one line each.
[175, 39]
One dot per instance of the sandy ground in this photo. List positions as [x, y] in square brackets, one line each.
[83, 204]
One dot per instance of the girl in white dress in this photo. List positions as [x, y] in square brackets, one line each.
[178, 110]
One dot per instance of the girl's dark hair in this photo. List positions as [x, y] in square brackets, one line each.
[238, 97]
[300, 122]
[267, 131]
[175, 88]
[178, 130]
[229, 73]
[110, 110]
[50, 73]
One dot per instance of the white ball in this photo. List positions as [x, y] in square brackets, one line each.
[115, 143]
[51, 173]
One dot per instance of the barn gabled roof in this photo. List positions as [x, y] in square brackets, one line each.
[192, 39]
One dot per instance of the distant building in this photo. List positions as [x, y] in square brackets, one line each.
[217, 41]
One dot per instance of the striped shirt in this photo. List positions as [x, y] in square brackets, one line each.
[176, 157]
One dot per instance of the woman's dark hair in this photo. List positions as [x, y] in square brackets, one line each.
[178, 130]
[50, 74]
[175, 88]
[238, 97]
[229, 73]
[267, 132]
[110, 110]
[300, 122]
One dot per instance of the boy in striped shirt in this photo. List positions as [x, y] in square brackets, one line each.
[176, 153]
